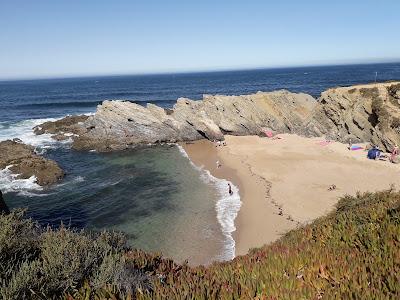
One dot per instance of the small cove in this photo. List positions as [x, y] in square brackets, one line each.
[153, 195]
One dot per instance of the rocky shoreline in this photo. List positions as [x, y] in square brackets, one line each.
[25, 163]
[363, 113]
[62, 129]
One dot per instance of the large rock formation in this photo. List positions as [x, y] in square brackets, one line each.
[26, 163]
[364, 113]
[119, 124]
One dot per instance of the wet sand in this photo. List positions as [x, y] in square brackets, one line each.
[285, 182]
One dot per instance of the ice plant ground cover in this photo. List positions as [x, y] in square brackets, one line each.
[351, 253]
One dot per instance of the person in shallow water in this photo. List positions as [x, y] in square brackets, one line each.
[230, 189]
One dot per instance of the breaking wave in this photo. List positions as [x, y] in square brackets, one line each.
[227, 206]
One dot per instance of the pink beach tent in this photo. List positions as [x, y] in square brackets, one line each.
[268, 133]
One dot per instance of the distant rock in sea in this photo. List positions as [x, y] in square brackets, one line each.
[26, 163]
[364, 113]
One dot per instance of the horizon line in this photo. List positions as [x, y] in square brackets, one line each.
[199, 71]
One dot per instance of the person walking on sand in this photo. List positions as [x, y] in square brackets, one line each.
[230, 189]
[218, 164]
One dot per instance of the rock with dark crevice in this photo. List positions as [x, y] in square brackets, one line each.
[363, 113]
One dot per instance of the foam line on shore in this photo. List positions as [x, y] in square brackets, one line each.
[227, 206]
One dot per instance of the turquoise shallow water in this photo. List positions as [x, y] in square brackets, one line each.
[154, 195]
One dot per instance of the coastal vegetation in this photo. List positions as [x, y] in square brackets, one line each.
[351, 253]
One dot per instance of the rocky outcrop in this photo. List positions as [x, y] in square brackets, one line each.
[3, 206]
[26, 163]
[119, 124]
[64, 128]
[364, 113]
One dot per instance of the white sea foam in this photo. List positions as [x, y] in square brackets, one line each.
[79, 179]
[227, 206]
[10, 183]
[23, 131]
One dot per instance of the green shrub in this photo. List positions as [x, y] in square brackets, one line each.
[69, 258]
[25, 283]
[352, 253]
[369, 92]
[47, 263]
[19, 240]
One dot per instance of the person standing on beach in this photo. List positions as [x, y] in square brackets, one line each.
[394, 154]
[230, 189]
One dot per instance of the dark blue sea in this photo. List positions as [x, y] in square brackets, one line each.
[57, 97]
[156, 196]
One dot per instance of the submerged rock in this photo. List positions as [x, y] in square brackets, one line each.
[3, 206]
[23, 161]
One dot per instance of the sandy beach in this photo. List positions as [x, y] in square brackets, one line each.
[284, 182]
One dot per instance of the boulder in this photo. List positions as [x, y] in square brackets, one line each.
[23, 161]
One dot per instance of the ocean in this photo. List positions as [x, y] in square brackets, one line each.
[156, 196]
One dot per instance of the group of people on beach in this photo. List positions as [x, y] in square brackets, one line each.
[376, 153]
[219, 143]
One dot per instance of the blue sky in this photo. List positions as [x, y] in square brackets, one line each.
[58, 38]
